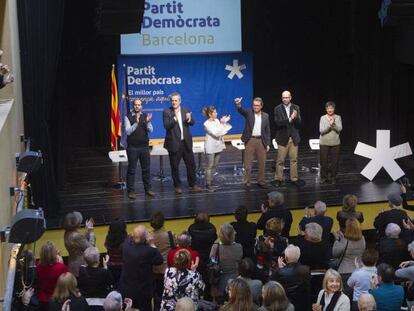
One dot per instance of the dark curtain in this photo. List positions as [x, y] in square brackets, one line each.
[40, 30]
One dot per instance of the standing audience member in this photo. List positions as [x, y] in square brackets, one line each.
[388, 296]
[392, 249]
[165, 241]
[330, 126]
[319, 217]
[179, 281]
[93, 281]
[75, 242]
[139, 254]
[331, 296]
[274, 298]
[113, 302]
[48, 270]
[360, 279]
[66, 288]
[230, 254]
[294, 277]
[366, 302]
[406, 272]
[214, 142]
[117, 234]
[246, 231]
[349, 204]
[183, 242]
[240, 297]
[274, 206]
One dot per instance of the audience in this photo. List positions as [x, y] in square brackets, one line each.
[246, 231]
[183, 242]
[392, 250]
[406, 272]
[113, 302]
[331, 296]
[319, 217]
[240, 297]
[185, 304]
[349, 204]
[230, 254]
[274, 298]
[366, 302]
[388, 296]
[274, 207]
[117, 234]
[75, 242]
[246, 272]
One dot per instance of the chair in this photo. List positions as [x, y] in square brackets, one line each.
[159, 150]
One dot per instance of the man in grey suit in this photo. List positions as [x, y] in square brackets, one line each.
[288, 120]
[256, 138]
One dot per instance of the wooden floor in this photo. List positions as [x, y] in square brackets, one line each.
[91, 179]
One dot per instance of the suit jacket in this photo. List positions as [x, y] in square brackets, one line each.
[248, 127]
[173, 133]
[284, 128]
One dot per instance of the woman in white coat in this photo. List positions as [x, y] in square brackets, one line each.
[214, 142]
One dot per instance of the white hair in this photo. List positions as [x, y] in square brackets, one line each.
[113, 302]
[366, 302]
[185, 304]
[292, 253]
[320, 207]
[392, 231]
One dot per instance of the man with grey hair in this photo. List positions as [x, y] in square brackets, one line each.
[294, 277]
[318, 217]
[139, 254]
[392, 249]
[274, 207]
[183, 242]
[366, 302]
[113, 302]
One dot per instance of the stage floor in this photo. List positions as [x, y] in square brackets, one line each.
[91, 177]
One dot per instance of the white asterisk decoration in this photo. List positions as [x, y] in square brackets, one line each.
[383, 156]
[235, 69]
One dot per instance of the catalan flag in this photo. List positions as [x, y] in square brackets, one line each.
[115, 118]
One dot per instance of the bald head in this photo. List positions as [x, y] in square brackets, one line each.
[366, 302]
[139, 234]
[286, 97]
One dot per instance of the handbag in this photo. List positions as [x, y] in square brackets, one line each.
[336, 262]
[213, 268]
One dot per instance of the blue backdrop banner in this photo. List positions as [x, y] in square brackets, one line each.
[202, 80]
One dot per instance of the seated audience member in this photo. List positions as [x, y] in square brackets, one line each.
[406, 272]
[349, 204]
[164, 241]
[48, 270]
[117, 234]
[311, 244]
[274, 207]
[183, 242]
[246, 272]
[366, 302]
[230, 253]
[388, 296]
[269, 247]
[93, 281]
[294, 277]
[360, 279]
[179, 281]
[66, 288]
[392, 250]
[240, 297]
[319, 217]
[245, 231]
[331, 296]
[348, 246]
[185, 304]
[394, 215]
[274, 298]
[113, 302]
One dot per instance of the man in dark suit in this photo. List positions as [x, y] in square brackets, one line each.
[179, 142]
[256, 138]
[288, 120]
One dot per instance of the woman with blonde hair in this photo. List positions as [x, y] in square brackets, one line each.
[240, 297]
[214, 142]
[331, 297]
[348, 246]
[274, 298]
[66, 288]
[349, 204]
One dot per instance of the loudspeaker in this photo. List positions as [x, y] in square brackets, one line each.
[27, 226]
[114, 17]
[29, 161]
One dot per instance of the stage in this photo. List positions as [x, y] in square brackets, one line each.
[92, 177]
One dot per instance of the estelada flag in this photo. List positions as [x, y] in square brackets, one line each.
[115, 118]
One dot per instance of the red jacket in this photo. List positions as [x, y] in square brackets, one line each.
[47, 278]
[170, 257]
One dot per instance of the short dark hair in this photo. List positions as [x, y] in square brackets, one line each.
[330, 103]
[157, 220]
[370, 257]
[241, 213]
[386, 272]
[202, 218]
[246, 267]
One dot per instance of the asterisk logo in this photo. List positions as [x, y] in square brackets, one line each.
[383, 156]
[235, 69]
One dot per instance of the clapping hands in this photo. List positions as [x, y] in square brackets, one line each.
[225, 119]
